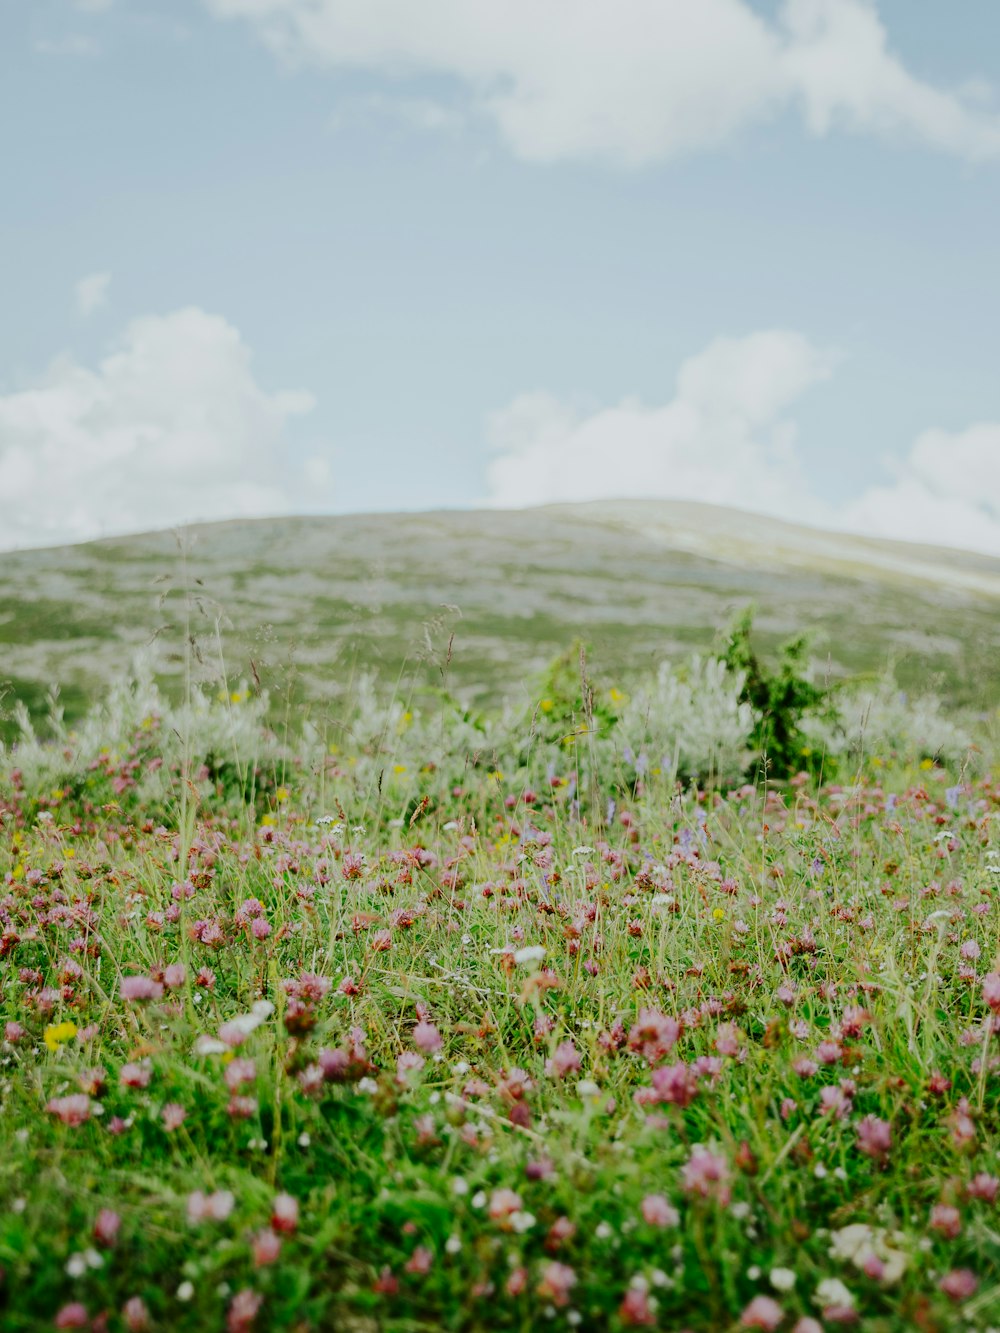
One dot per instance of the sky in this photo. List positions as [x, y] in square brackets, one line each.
[321, 256]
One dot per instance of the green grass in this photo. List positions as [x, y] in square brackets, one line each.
[813, 959]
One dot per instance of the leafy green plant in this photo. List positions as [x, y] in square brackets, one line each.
[781, 697]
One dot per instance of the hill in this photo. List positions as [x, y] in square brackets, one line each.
[313, 601]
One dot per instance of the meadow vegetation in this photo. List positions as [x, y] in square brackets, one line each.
[672, 1005]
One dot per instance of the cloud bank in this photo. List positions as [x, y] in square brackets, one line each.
[170, 427]
[727, 437]
[638, 80]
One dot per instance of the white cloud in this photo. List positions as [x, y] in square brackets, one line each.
[92, 292]
[724, 437]
[637, 80]
[171, 426]
[945, 493]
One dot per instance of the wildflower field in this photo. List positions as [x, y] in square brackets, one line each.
[567, 1019]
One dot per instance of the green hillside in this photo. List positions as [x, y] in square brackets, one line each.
[480, 600]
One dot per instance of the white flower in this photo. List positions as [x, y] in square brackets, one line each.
[531, 953]
[185, 1291]
[459, 1186]
[452, 1245]
[479, 1199]
[858, 1243]
[206, 1045]
[582, 851]
[76, 1265]
[782, 1279]
[522, 1221]
[602, 1231]
[831, 1291]
[367, 1085]
[587, 1090]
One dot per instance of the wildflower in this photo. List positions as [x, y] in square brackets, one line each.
[659, 1212]
[991, 991]
[420, 1261]
[135, 1075]
[174, 976]
[243, 1310]
[531, 953]
[73, 1315]
[106, 1227]
[215, 1207]
[870, 1250]
[874, 1138]
[835, 1102]
[782, 1279]
[503, 1202]
[565, 1060]
[56, 1034]
[706, 1174]
[653, 1035]
[946, 1220]
[266, 1247]
[239, 1071]
[427, 1037]
[135, 1315]
[556, 1282]
[762, 1312]
[386, 1284]
[72, 1110]
[285, 1213]
[236, 1031]
[959, 1284]
[173, 1116]
[983, 1186]
[133, 989]
[833, 1296]
[637, 1310]
[672, 1085]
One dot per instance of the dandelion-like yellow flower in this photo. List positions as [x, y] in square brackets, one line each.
[719, 914]
[281, 794]
[57, 1033]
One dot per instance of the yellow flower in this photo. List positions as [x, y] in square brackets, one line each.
[57, 794]
[267, 820]
[57, 1033]
[925, 764]
[237, 697]
[615, 695]
[399, 768]
[281, 794]
[70, 852]
[546, 705]
[496, 775]
[719, 914]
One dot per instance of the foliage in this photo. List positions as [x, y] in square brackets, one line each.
[782, 698]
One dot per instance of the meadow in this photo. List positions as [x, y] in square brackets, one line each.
[668, 1005]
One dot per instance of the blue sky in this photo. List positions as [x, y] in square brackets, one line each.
[343, 259]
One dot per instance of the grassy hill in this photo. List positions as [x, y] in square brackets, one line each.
[480, 600]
